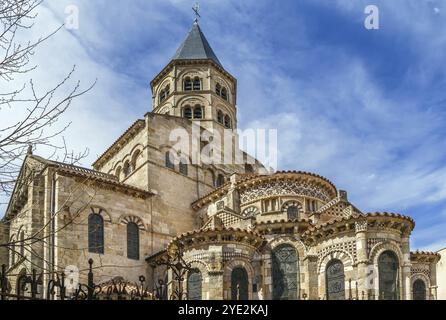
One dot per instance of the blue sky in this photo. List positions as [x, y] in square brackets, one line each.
[364, 108]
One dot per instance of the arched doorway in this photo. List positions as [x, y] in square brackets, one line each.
[419, 290]
[194, 285]
[239, 284]
[388, 268]
[335, 280]
[285, 273]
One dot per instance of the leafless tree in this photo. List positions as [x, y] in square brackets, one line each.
[41, 110]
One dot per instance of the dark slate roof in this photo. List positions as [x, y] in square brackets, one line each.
[195, 47]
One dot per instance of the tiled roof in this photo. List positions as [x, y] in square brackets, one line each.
[196, 47]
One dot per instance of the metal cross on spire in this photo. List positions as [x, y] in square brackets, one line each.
[196, 9]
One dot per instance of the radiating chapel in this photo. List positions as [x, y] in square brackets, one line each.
[244, 233]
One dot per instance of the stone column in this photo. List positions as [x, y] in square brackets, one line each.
[362, 277]
[312, 291]
[406, 266]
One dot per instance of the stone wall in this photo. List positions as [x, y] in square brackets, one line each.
[441, 275]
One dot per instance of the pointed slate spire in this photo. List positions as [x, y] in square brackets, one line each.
[196, 47]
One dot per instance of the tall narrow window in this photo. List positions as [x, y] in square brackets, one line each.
[95, 233]
[127, 169]
[419, 290]
[218, 89]
[169, 161]
[198, 112]
[132, 241]
[220, 117]
[227, 122]
[388, 269]
[162, 96]
[335, 280]
[197, 84]
[187, 84]
[220, 181]
[285, 273]
[118, 173]
[187, 112]
[183, 167]
[239, 284]
[194, 285]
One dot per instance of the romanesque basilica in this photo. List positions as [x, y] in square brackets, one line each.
[231, 231]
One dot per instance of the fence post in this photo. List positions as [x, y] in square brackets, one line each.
[62, 287]
[90, 281]
[33, 285]
[3, 282]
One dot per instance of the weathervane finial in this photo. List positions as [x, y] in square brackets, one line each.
[196, 9]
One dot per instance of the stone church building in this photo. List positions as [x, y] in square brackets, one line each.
[244, 232]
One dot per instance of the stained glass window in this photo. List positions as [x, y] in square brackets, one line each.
[239, 284]
[419, 290]
[335, 280]
[285, 273]
[292, 212]
[95, 233]
[194, 285]
[132, 241]
[388, 267]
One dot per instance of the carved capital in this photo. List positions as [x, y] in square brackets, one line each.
[361, 226]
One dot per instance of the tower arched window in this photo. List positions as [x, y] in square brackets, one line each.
[218, 89]
[132, 241]
[187, 84]
[127, 169]
[169, 160]
[388, 269]
[220, 181]
[95, 233]
[187, 112]
[118, 172]
[183, 167]
[134, 162]
[228, 123]
[164, 93]
[224, 93]
[197, 84]
[220, 117]
[198, 112]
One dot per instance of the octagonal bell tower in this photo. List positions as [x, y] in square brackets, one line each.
[195, 85]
